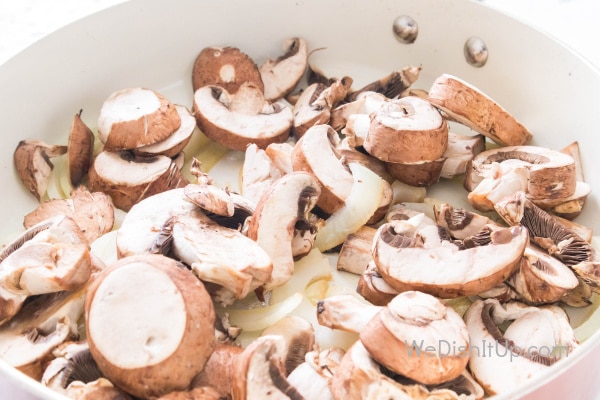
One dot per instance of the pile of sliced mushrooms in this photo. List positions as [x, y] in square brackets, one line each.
[321, 269]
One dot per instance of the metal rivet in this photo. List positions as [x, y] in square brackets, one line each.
[405, 29]
[476, 52]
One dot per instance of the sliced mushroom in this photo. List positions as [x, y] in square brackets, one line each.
[497, 173]
[237, 120]
[281, 156]
[101, 389]
[420, 173]
[355, 253]
[80, 150]
[299, 339]
[466, 104]
[461, 149]
[176, 142]
[258, 173]
[358, 377]
[568, 207]
[219, 369]
[272, 226]
[355, 118]
[410, 335]
[346, 312]
[144, 355]
[281, 76]
[43, 323]
[128, 179]
[541, 278]
[536, 339]
[551, 235]
[391, 85]
[33, 165]
[407, 130]
[135, 117]
[316, 153]
[220, 255]
[93, 212]
[49, 257]
[459, 222]
[210, 198]
[227, 67]
[139, 231]
[313, 377]
[411, 255]
[373, 288]
[315, 104]
[259, 372]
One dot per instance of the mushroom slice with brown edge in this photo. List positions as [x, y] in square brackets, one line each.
[460, 223]
[359, 377]
[140, 229]
[227, 67]
[355, 253]
[391, 85]
[39, 268]
[80, 149]
[258, 173]
[197, 393]
[536, 339]
[408, 336]
[460, 151]
[176, 142]
[136, 117]
[236, 120]
[210, 198]
[497, 173]
[272, 226]
[128, 179]
[33, 165]
[281, 156]
[43, 323]
[259, 372]
[541, 278]
[554, 237]
[407, 130]
[468, 105]
[410, 257]
[299, 339]
[419, 173]
[313, 377]
[316, 153]
[220, 255]
[144, 355]
[280, 76]
[373, 288]
[315, 104]
[346, 312]
[93, 212]
[218, 370]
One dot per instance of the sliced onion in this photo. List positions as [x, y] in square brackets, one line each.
[105, 247]
[364, 199]
[314, 266]
[257, 319]
[227, 171]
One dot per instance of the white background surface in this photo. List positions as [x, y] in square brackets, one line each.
[22, 22]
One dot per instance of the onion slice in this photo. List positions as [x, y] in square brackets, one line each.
[363, 200]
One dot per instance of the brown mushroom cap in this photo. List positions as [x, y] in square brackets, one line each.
[410, 257]
[237, 120]
[144, 355]
[33, 165]
[468, 105]
[316, 153]
[80, 150]
[280, 76]
[407, 130]
[135, 117]
[227, 67]
[128, 179]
